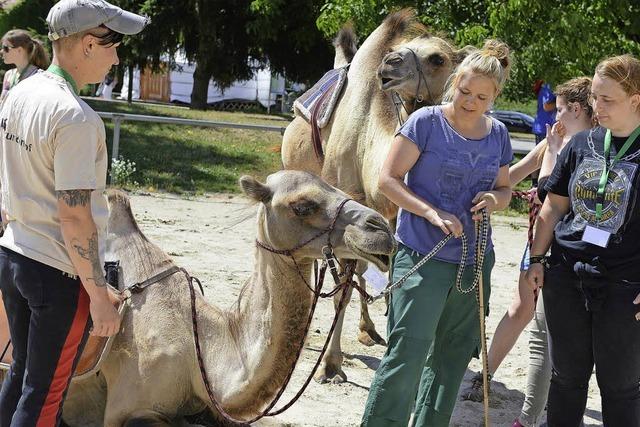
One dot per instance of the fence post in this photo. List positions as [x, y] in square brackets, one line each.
[115, 146]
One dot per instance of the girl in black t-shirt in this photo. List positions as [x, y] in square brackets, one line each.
[591, 221]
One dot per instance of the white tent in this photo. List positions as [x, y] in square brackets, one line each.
[263, 87]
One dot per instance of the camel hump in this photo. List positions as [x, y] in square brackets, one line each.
[346, 43]
[118, 198]
[404, 23]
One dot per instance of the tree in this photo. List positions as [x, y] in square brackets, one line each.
[27, 14]
[557, 40]
[284, 35]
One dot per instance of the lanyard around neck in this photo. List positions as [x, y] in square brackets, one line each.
[62, 73]
[607, 167]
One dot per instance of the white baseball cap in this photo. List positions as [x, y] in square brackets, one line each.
[69, 17]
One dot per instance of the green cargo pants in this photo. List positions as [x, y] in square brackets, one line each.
[433, 332]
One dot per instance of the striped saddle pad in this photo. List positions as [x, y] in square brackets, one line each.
[323, 96]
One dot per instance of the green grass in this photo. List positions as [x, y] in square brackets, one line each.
[187, 159]
[527, 107]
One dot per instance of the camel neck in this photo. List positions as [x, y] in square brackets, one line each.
[265, 330]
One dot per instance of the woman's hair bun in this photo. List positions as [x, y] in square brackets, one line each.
[498, 49]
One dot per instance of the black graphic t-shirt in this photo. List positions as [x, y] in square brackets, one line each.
[576, 175]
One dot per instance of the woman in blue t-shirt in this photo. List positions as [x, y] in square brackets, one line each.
[445, 164]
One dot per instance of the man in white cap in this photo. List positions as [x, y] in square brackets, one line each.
[53, 161]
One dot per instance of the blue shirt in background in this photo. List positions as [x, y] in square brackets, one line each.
[544, 117]
[450, 171]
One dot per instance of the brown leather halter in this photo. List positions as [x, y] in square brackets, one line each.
[397, 100]
[329, 261]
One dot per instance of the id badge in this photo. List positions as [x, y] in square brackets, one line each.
[595, 236]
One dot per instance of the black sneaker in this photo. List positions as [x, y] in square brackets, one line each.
[475, 392]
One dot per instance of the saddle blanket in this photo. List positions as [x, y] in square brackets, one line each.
[333, 83]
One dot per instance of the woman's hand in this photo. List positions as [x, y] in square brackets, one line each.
[535, 276]
[483, 200]
[555, 135]
[447, 222]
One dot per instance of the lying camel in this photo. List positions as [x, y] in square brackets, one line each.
[151, 376]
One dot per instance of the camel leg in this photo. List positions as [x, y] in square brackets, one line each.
[330, 370]
[367, 334]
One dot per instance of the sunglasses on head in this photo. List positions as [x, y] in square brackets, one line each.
[6, 48]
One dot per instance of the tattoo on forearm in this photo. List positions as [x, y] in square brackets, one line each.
[75, 197]
[90, 253]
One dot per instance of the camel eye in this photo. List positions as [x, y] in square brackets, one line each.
[436, 59]
[304, 208]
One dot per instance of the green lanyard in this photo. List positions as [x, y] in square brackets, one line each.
[62, 73]
[607, 168]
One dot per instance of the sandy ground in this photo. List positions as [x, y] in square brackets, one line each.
[213, 238]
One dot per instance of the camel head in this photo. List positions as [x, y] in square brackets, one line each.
[296, 206]
[419, 68]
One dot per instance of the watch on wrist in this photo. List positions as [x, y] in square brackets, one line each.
[538, 259]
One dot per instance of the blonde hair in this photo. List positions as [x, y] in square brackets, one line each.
[36, 52]
[493, 60]
[577, 90]
[624, 69]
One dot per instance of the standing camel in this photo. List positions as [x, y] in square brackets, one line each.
[398, 57]
[151, 375]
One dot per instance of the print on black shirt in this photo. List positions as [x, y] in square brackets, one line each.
[576, 176]
[584, 194]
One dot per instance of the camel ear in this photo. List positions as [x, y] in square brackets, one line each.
[460, 54]
[255, 189]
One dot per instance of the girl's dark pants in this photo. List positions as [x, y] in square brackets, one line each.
[607, 335]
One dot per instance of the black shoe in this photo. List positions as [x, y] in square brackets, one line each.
[475, 393]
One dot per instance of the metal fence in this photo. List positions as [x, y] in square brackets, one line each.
[118, 118]
[520, 146]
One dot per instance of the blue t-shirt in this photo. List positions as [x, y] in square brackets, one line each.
[544, 117]
[449, 173]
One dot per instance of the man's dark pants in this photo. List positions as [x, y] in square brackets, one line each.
[48, 313]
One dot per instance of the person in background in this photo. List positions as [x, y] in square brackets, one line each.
[105, 90]
[574, 115]
[26, 53]
[545, 115]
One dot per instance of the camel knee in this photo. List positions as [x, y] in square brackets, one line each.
[147, 419]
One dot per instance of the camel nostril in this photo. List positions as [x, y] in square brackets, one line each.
[394, 59]
[376, 224]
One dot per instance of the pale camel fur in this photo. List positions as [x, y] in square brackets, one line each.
[151, 375]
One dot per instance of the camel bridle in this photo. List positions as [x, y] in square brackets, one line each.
[399, 104]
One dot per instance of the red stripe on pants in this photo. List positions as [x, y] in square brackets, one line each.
[64, 368]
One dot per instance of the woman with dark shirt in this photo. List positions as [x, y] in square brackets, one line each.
[591, 221]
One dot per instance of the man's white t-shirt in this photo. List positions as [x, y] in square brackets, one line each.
[50, 140]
